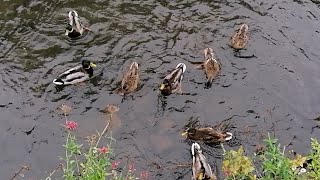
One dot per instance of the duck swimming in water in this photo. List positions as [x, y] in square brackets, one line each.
[172, 82]
[207, 134]
[130, 80]
[74, 29]
[76, 75]
[211, 66]
[201, 170]
[239, 40]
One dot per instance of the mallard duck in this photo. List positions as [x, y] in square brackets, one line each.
[75, 28]
[76, 74]
[201, 170]
[210, 66]
[208, 135]
[240, 38]
[130, 80]
[172, 82]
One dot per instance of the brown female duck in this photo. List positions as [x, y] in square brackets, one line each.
[210, 66]
[130, 79]
[207, 134]
[240, 38]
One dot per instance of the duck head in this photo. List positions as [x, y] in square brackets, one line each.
[88, 64]
[188, 132]
[165, 87]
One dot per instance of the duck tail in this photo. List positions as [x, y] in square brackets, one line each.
[229, 136]
[208, 53]
[182, 66]
[58, 82]
[134, 65]
[195, 147]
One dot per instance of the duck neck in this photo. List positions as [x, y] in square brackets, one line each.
[89, 71]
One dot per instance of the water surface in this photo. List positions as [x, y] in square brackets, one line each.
[277, 92]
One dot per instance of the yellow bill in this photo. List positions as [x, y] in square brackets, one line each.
[93, 65]
[184, 134]
[162, 86]
[200, 177]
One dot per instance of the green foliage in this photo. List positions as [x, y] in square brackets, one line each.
[93, 163]
[275, 164]
[314, 167]
[238, 166]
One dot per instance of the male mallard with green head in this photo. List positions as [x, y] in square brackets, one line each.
[201, 170]
[130, 79]
[76, 75]
[74, 29]
[211, 66]
[172, 82]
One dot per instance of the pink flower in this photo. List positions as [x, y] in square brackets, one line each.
[71, 125]
[114, 164]
[144, 174]
[131, 167]
[103, 150]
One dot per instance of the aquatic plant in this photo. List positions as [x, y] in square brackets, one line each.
[237, 166]
[274, 163]
[94, 163]
[314, 157]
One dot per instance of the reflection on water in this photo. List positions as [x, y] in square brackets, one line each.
[157, 34]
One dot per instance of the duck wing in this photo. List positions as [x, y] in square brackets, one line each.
[72, 76]
[176, 76]
[131, 78]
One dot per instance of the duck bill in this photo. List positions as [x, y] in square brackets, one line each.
[200, 176]
[93, 65]
[162, 87]
[67, 32]
[184, 134]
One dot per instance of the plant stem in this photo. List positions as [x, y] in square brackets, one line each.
[65, 116]
[67, 157]
[104, 130]
[77, 163]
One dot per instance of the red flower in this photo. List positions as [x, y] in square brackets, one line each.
[71, 125]
[144, 174]
[103, 150]
[114, 164]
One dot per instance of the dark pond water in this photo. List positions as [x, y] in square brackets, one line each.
[277, 92]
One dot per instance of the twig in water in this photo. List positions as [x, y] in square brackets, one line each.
[109, 109]
[20, 170]
[179, 166]
[54, 171]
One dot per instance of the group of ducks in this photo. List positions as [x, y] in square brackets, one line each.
[201, 170]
